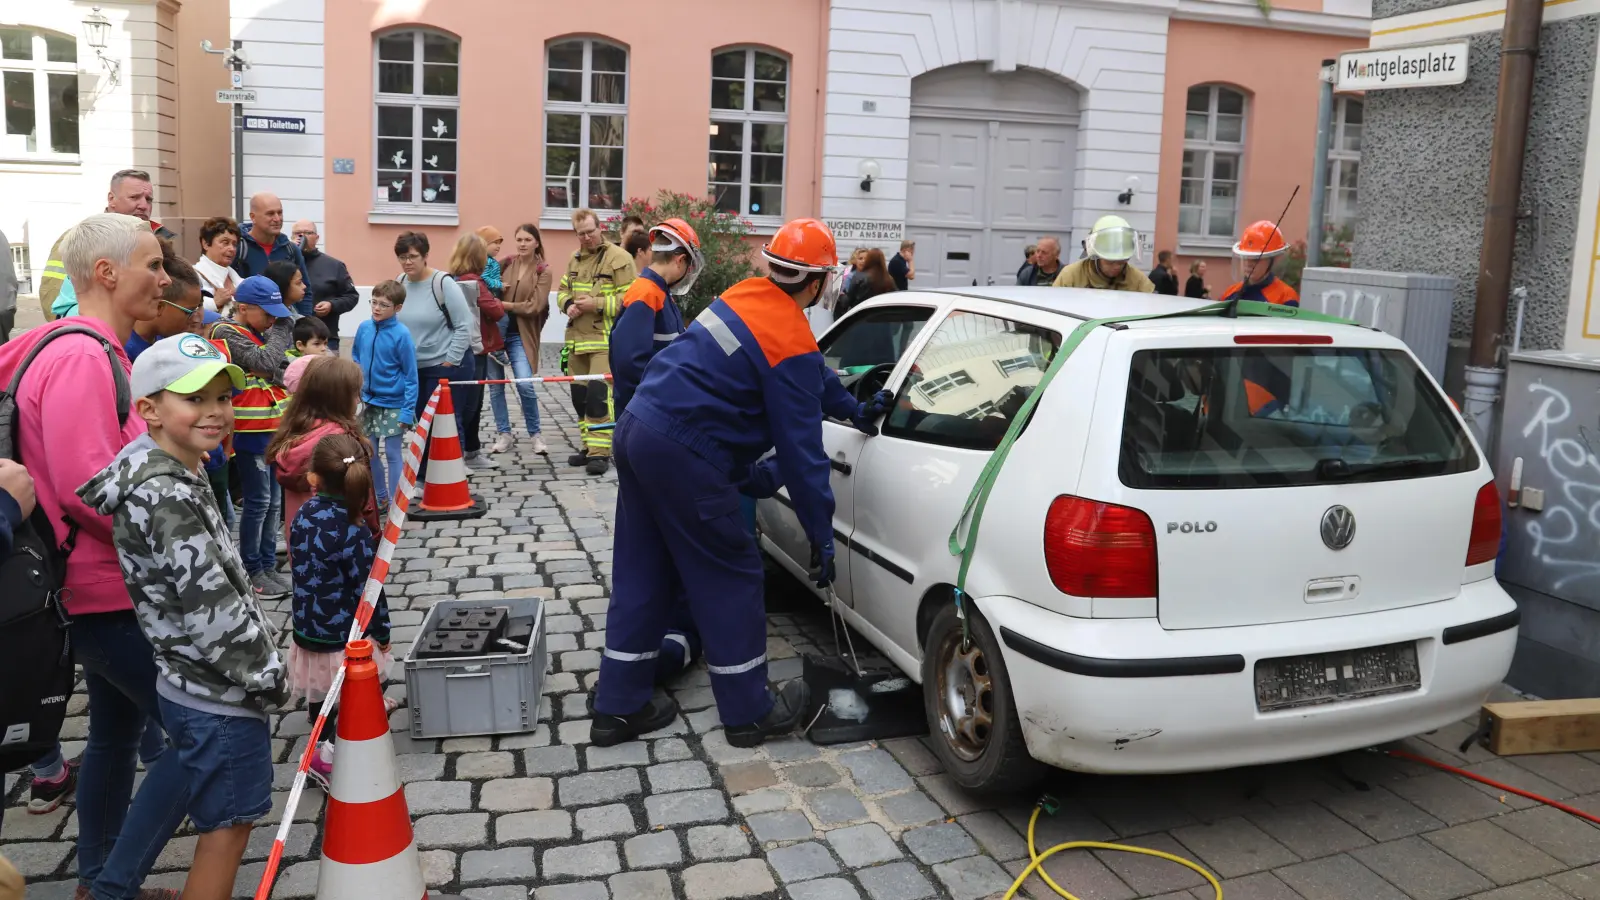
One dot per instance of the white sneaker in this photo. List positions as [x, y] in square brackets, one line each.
[480, 461]
[502, 443]
[539, 447]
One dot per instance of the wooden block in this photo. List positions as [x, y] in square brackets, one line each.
[1543, 726]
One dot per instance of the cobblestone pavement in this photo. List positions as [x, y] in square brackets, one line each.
[683, 814]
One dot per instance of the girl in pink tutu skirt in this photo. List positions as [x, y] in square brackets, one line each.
[332, 545]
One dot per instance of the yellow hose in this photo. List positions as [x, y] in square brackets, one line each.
[1037, 864]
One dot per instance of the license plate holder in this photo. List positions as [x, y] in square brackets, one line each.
[1336, 676]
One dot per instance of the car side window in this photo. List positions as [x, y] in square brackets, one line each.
[969, 381]
[876, 337]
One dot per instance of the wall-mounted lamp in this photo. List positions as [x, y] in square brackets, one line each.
[97, 31]
[1126, 197]
[870, 172]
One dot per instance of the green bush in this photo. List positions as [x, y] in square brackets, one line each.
[722, 239]
[1336, 243]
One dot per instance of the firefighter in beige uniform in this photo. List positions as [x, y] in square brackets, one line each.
[590, 293]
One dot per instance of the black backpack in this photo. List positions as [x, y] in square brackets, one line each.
[35, 647]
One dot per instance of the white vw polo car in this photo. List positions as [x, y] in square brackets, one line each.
[1217, 542]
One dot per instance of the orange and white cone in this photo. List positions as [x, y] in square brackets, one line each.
[368, 850]
[445, 495]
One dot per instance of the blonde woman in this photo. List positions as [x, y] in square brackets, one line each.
[467, 262]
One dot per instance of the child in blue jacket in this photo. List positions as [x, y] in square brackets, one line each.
[388, 360]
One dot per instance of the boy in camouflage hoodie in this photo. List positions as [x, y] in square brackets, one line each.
[215, 652]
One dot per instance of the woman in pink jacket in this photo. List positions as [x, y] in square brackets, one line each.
[69, 431]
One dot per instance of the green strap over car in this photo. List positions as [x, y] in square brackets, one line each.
[963, 542]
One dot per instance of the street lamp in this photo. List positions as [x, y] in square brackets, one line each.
[97, 31]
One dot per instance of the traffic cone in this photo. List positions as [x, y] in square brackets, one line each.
[368, 851]
[445, 495]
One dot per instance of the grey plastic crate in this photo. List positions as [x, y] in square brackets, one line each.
[496, 693]
[1412, 306]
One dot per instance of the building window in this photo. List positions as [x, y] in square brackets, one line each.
[39, 87]
[585, 125]
[419, 109]
[1344, 163]
[1213, 150]
[749, 119]
[23, 266]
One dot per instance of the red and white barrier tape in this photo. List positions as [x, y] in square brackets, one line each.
[369, 604]
[540, 379]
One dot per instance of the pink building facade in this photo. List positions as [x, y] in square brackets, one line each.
[971, 126]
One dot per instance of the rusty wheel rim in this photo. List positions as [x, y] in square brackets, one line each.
[966, 697]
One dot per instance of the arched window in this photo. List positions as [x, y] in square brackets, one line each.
[1344, 163]
[39, 89]
[585, 125]
[749, 120]
[418, 117]
[1213, 156]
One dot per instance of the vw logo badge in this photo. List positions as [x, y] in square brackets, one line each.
[1338, 527]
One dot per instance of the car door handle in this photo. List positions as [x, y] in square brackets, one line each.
[840, 466]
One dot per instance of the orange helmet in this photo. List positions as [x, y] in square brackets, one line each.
[673, 235]
[676, 232]
[803, 244]
[1261, 239]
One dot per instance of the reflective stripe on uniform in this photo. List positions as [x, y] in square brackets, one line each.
[719, 329]
[619, 656]
[664, 338]
[740, 669]
[54, 268]
[681, 641]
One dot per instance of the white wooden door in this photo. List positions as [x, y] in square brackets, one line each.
[947, 199]
[981, 191]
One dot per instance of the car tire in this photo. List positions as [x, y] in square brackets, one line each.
[972, 717]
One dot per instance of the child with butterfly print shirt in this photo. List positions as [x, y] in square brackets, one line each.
[333, 545]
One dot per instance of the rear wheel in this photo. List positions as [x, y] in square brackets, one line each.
[967, 698]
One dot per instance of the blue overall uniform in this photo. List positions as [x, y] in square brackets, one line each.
[651, 320]
[744, 378]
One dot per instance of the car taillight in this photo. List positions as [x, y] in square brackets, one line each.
[1099, 550]
[1484, 544]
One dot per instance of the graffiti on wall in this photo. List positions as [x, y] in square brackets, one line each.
[1566, 536]
[1356, 305]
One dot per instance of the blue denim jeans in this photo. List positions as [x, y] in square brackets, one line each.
[388, 461]
[521, 367]
[263, 510]
[428, 379]
[228, 763]
[118, 840]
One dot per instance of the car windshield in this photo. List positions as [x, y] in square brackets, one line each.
[1232, 417]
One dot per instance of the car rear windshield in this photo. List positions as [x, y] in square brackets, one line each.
[1230, 417]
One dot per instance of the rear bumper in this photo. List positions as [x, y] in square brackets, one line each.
[1125, 695]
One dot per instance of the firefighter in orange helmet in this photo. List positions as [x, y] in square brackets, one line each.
[745, 378]
[1255, 262]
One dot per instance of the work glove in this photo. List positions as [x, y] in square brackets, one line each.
[762, 480]
[869, 412]
[822, 571]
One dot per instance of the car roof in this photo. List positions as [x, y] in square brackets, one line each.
[1085, 304]
[1078, 303]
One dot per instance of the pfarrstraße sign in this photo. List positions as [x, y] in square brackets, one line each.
[1430, 65]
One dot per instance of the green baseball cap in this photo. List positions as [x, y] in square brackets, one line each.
[182, 364]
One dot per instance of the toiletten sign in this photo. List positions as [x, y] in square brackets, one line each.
[1431, 65]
